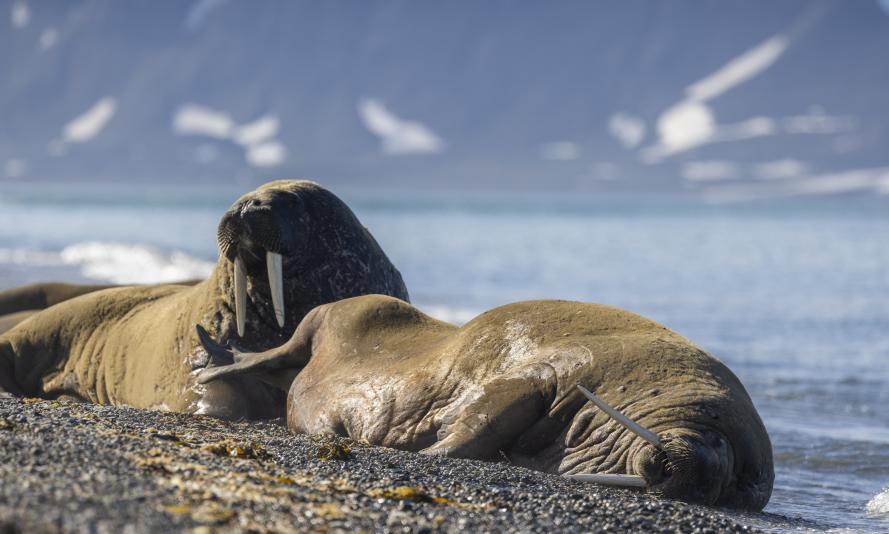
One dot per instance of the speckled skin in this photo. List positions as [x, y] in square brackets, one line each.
[504, 386]
[136, 345]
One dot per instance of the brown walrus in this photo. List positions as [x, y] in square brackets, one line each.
[285, 248]
[505, 386]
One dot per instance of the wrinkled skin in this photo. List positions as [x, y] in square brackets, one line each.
[136, 345]
[504, 386]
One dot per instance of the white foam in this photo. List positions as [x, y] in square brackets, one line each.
[560, 151]
[879, 505]
[132, 264]
[627, 129]
[20, 15]
[398, 137]
[269, 154]
[89, 124]
[192, 119]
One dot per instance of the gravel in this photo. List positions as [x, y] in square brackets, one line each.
[87, 468]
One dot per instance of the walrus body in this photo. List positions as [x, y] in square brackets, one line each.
[504, 386]
[285, 248]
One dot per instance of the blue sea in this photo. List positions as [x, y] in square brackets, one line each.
[792, 294]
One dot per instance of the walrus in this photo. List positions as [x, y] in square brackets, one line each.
[284, 249]
[20, 303]
[507, 385]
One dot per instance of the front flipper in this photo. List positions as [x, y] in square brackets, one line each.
[270, 366]
[494, 421]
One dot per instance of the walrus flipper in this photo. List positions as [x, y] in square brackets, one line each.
[229, 362]
[495, 421]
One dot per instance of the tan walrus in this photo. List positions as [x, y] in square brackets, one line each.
[505, 386]
[285, 248]
[20, 303]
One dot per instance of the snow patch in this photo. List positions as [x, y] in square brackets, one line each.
[851, 181]
[739, 70]
[780, 169]
[192, 119]
[560, 151]
[707, 171]
[270, 154]
[690, 122]
[48, 39]
[256, 137]
[88, 125]
[627, 129]
[13, 168]
[258, 131]
[398, 137]
[20, 15]
[817, 121]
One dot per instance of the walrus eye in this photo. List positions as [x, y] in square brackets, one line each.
[274, 261]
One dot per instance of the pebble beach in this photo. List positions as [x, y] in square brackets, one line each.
[71, 467]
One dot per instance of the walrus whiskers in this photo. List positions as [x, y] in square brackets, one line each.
[620, 481]
[630, 425]
[240, 295]
[274, 262]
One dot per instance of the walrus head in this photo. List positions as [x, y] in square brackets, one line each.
[695, 458]
[289, 246]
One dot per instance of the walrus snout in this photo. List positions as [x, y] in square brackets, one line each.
[257, 234]
[692, 466]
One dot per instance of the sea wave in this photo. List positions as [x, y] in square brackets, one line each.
[879, 505]
[133, 264]
[120, 263]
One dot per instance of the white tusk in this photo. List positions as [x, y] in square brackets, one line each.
[240, 295]
[276, 284]
[620, 481]
[631, 425]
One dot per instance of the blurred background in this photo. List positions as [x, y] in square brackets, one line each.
[719, 166]
[735, 99]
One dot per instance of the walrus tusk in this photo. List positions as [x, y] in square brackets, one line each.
[631, 425]
[276, 284]
[240, 295]
[620, 481]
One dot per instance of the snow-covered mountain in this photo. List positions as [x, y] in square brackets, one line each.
[733, 99]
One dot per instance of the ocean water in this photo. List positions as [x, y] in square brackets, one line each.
[792, 295]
